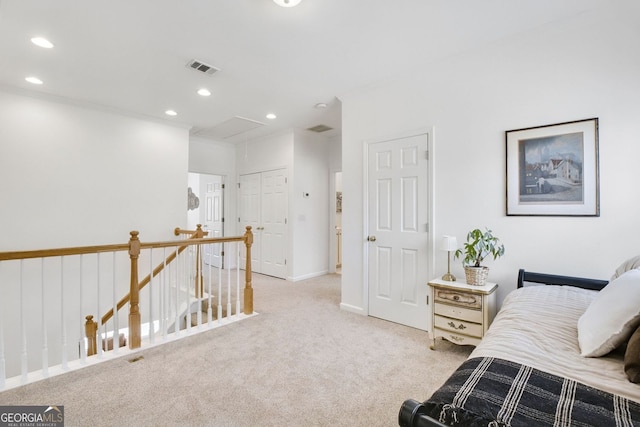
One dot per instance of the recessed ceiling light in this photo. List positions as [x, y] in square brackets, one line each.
[171, 113]
[42, 42]
[204, 92]
[287, 3]
[271, 116]
[320, 105]
[34, 80]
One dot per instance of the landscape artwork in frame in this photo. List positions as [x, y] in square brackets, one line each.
[553, 170]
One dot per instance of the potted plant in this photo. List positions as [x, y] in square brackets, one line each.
[479, 245]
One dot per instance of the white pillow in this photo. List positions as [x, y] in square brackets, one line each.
[611, 317]
[629, 264]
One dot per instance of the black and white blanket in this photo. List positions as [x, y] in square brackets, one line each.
[494, 392]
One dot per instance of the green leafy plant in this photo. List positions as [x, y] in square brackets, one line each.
[479, 245]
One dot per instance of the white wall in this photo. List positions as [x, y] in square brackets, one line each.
[76, 176]
[218, 158]
[310, 221]
[304, 155]
[580, 68]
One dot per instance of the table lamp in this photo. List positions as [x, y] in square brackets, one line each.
[449, 244]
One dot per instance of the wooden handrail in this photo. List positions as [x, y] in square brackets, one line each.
[178, 231]
[109, 314]
[47, 253]
[247, 238]
[134, 247]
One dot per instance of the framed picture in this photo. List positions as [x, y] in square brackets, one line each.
[553, 170]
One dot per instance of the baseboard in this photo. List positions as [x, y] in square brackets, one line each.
[352, 309]
[309, 276]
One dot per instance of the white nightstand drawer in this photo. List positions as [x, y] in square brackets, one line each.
[455, 312]
[463, 299]
[458, 326]
[456, 338]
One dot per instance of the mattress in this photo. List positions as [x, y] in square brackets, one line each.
[537, 327]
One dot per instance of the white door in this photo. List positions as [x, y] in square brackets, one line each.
[264, 206]
[398, 213]
[274, 223]
[212, 187]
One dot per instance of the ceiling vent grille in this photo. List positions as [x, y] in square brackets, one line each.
[319, 128]
[202, 67]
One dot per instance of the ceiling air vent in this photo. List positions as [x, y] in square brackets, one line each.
[320, 128]
[202, 67]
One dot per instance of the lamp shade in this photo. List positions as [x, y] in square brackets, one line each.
[449, 243]
[287, 3]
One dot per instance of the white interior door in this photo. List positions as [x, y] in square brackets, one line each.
[398, 197]
[264, 206]
[274, 223]
[212, 187]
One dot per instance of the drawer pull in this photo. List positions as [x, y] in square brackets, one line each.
[453, 325]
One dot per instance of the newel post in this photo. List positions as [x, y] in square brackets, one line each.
[134, 292]
[91, 331]
[248, 290]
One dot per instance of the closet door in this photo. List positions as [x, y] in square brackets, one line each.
[264, 206]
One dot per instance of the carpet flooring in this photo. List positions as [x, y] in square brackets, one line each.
[300, 362]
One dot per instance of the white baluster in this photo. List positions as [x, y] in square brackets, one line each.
[186, 262]
[165, 296]
[151, 331]
[116, 334]
[23, 328]
[198, 275]
[62, 322]
[228, 287]
[209, 308]
[3, 372]
[219, 296]
[83, 348]
[99, 319]
[45, 350]
[237, 278]
[177, 320]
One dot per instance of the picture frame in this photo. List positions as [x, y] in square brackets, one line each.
[553, 170]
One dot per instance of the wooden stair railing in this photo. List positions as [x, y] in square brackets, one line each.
[91, 326]
[199, 233]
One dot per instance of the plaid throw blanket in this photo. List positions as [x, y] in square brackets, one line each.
[495, 392]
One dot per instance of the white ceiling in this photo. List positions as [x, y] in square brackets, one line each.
[131, 55]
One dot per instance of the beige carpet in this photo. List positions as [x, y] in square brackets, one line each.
[301, 362]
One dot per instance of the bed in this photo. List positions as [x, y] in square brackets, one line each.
[549, 358]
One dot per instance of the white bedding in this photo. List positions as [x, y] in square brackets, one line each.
[537, 326]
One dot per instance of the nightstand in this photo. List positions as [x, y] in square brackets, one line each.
[461, 313]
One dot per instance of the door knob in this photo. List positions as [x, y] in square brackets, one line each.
[371, 238]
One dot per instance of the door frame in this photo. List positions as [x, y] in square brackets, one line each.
[429, 130]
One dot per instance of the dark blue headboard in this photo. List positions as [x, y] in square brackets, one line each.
[553, 279]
